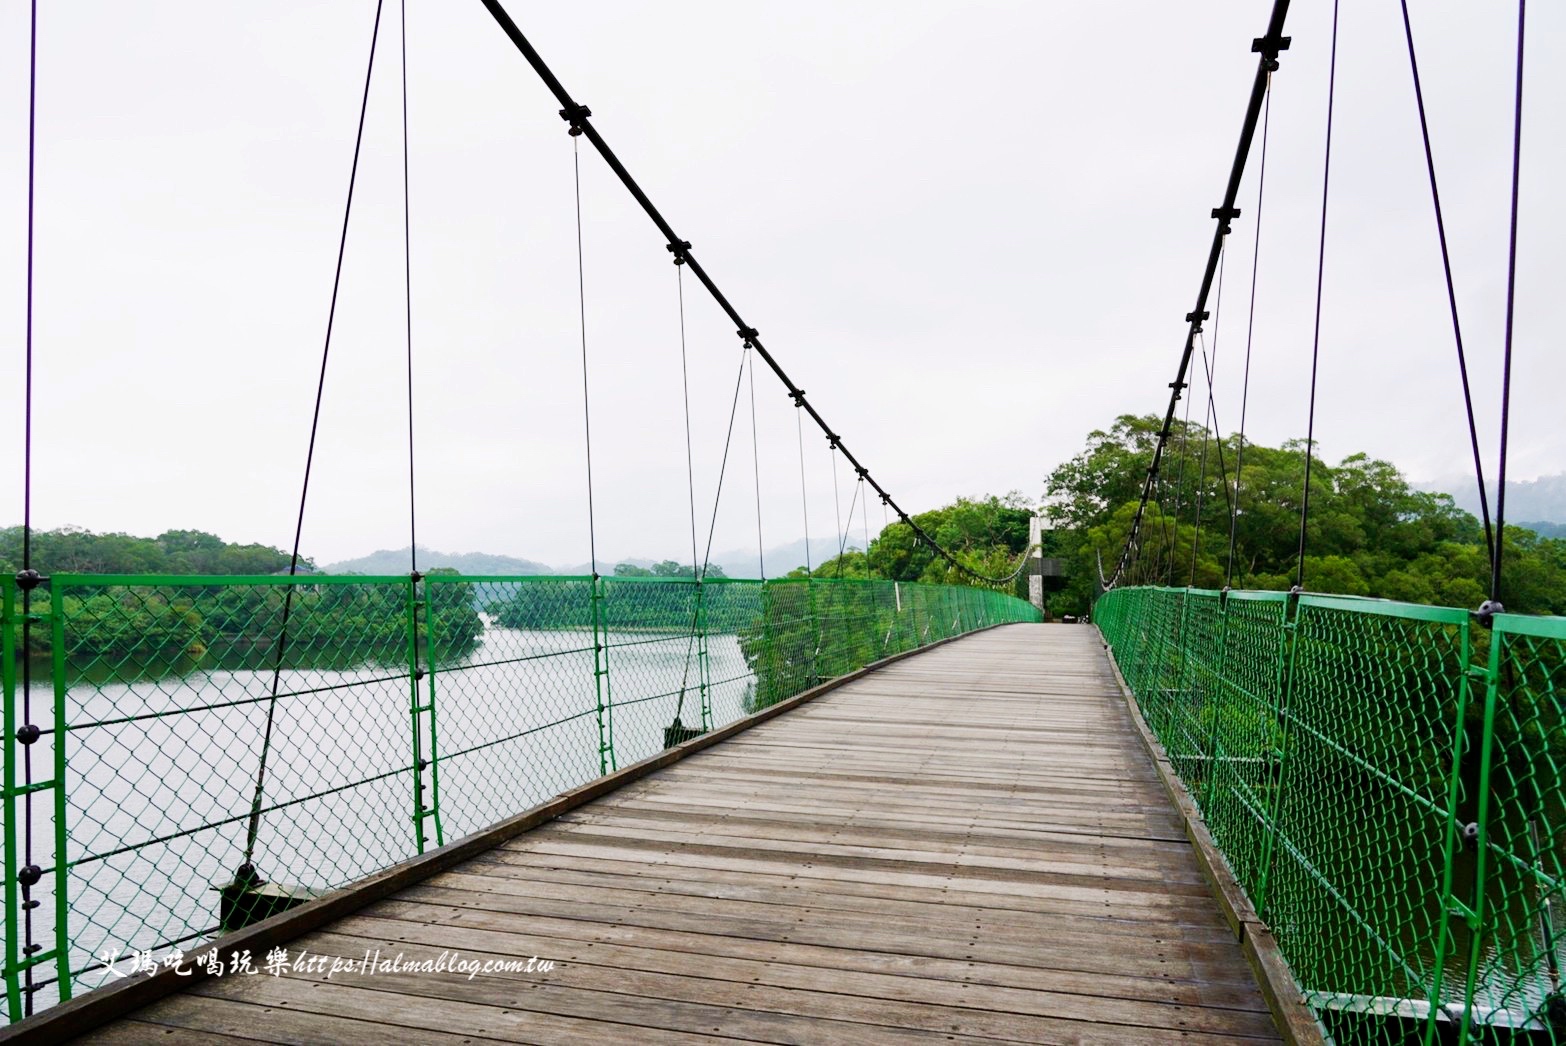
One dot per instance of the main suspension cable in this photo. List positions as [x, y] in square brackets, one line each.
[1321, 263]
[580, 118]
[1268, 47]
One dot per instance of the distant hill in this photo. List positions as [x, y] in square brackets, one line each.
[1542, 499]
[395, 561]
[737, 563]
[1544, 530]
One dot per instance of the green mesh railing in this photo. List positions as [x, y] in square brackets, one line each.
[403, 713]
[1387, 783]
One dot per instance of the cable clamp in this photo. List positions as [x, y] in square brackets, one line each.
[1268, 47]
[750, 334]
[863, 472]
[798, 396]
[574, 116]
[680, 249]
[27, 580]
[1196, 317]
[886, 499]
[1225, 215]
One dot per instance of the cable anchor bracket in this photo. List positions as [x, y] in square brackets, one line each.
[576, 115]
[1268, 47]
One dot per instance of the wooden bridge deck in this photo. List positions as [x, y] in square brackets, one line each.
[967, 845]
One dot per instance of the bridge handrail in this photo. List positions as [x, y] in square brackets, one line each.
[1385, 781]
[408, 711]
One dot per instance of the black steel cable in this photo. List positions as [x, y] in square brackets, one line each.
[1321, 260]
[755, 462]
[581, 298]
[28, 580]
[1250, 331]
[580, 118]
[723, 467]
[804, 500]
[247, 869]
[1511, 302]
[1169, 539]
[690, 484]
[407, 278]
[837, 506]
[1451, 292]
[1209, 368]
[1268, 47]
[685, 388]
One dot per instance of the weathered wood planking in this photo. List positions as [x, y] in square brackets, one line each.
[970, 845]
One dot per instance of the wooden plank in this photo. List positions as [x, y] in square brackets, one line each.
[826, 994]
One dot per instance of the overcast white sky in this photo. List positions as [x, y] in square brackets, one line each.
[969, 230]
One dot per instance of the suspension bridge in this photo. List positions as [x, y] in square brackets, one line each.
[433, 807]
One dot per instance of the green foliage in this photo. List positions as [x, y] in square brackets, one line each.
[986, 534]
[72, 550]
[1369, 532]
[153, 627]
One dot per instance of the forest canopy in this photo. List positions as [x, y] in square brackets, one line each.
[1369, 532]
[72, 550]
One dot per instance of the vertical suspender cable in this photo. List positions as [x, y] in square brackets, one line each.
[1451, 292]
[246, 872]
[1511, 302]
[755, 464]
[1209, 369]
[581, 298]
[1321, 258]
[1250, 331]
[837, 505]
[685, 387]
[804, 500]
[407, 285]
[28, 579]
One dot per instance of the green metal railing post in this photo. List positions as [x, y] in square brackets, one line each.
[604, 696]
[9, 624]
[1217, 692]
[704, 671]
[815, 632]
[1450, 905]
[416, 675]
[1475, 913]
[18, 959]
[1288, 650]
[62, 907]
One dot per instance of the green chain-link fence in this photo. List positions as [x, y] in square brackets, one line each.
[297, 734]
[1387, 783]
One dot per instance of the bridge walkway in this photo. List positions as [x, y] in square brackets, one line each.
[968, 845]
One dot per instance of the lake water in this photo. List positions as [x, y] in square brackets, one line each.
[161, 771]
